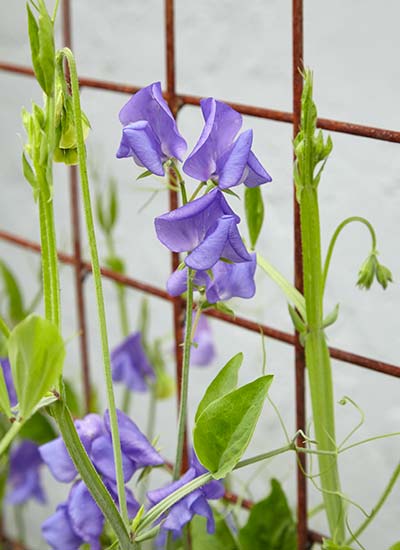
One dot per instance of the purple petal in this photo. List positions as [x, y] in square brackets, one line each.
[57, 531]
[186, 227]
[232, 164]
[232, 280]
[222, 123]
[134, 443]
[201, 507]
[140, 142]
[177, 282]
[255, 173]
[102, 456]
[222, 241]
[89, 428]
[149, 105]
[204, 353]
[56, 456]
[85, 516]
[130, 364]
[5, 365]
[24, 478]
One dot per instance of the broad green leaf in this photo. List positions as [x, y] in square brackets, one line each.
[254, 208]
[38, 429]
[223, 431]
[36, 352]
[5, 404]
[16, 310]
[225, 381]
[270, 525]
[222, 539]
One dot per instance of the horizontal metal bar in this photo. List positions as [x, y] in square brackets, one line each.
[261, 112]
[341, 355]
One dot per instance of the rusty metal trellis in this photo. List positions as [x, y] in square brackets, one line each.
[176, 101]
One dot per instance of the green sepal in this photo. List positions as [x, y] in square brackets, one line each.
[254, 209]
[223, 308]
[231, 193]
[29, 175]
[41, 37]
[144, 174]
[150, 534]
[225, 382]
[223, 431]
[136, 520]
[331, 317]
[36, 352]
[270, 525]
[383, 275]
[297, 320]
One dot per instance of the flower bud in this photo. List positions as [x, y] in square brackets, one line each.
[164, 385]
[383, 275]
[367, 271]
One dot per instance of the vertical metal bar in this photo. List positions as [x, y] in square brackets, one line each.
[297, 45]
[76, 234]
[178, 305]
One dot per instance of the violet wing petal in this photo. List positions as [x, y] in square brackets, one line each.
[102, 456]
[185, 228]
[231, 166]
[140, 142]
[255, 173]
[56, 456]
[57, 531]
[86, 517]
[232, 280]
[134, 443]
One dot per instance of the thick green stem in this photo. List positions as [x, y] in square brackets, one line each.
[98, 283]
[318, 361]
[185, 377]
[378, 505]
[46, 273]
[9, 436]
[335, 236]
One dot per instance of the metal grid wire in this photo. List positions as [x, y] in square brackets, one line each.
[176, 101]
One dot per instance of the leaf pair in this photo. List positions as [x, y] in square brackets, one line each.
[226, 418]
[36, 352]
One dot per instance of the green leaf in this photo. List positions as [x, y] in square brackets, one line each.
[5, 405]
[270, 525]
[331, 317]
[330, 545]
[36, 351]
[225, 381]
[16, 310]
[395, 546]
[72, 399]
[38, 429]
[144, 174]
[223, 431]
[222, 539]
[46, 48]
[254, 208]
[33, 31]
[297, 321]
[28, 172]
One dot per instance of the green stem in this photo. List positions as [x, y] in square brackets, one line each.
[98, 283]
[180, 181]
[334, 238]
[197, 190]
[185, 377]
[10, 435]
[291, 293]
[377, 506]
[4, 328]
[46, 273]
[89, 474]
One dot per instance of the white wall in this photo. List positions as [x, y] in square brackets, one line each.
[241, 51]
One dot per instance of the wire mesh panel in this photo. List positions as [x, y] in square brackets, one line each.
[81, 268]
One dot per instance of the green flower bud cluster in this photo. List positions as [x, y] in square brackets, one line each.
[36, 148]
[371, 269]
[309, 145]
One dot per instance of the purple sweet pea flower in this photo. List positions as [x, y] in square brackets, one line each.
[58, 531]
[5, 365]
[24, 477]
[130, 364]
[95, 434]
[227, 281]
[150, 134]
[203, 354]
[194, 503]
[216, 154]
[205, 227]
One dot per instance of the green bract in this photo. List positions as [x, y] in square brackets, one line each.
[223, 430]
[36, 352]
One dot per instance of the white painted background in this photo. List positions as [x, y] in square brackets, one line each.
[240, 52]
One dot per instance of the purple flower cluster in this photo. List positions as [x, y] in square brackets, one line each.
[130, 364]
[194, 503]
[79, 519]
[205, 228]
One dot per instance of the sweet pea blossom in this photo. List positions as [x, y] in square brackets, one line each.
[24, 476]
[5, 365]
[194, 503]
[130, 365]
[227, 281]
[203, 353]
[217, 156]
[206, 228]
[95, 434]
[150, 135]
